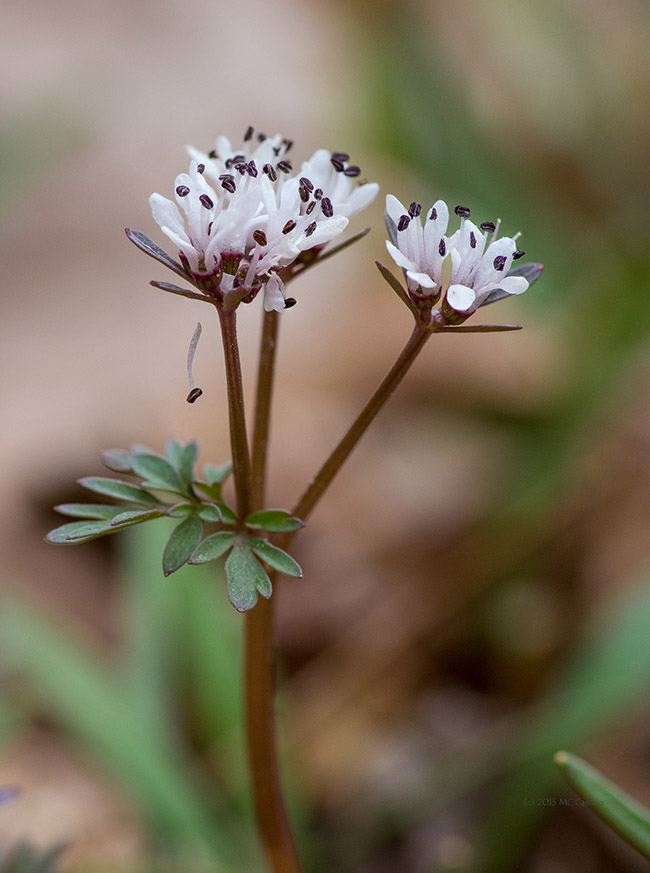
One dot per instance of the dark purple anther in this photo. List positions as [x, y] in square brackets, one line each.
[337, 164]
[326, 206]
[433, 214]
[289, 226]
[352, 171]
[194, 394]
[249, 134]
[403, 222]
[518, 254]
[442, 248]
[472, 240]
[310, 208]
[318, 193]
[304, 193]
[182, 190]
[285, 166]
[200, 168]
[212, 154]
[499, 262]
[270, 172]
[463, 211]
[228, 182]
[414, 210]
[251, 169]
[260, 237]
[206, 201]
[488, 226]
[341, 156]
[307, 183]
[289, 302]
[310, 228]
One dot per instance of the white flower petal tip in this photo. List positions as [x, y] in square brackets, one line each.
[243, 212]
[466, 268]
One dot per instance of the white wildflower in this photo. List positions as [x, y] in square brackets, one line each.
[463, 268]
[244, 215]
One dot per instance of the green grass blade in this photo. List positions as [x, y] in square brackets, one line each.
[623, 814]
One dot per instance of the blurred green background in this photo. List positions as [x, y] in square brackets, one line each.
[488, 597]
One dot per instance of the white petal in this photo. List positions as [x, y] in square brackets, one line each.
[514, 284]
[165, 213]
[394, 209]
[460, 297]
[399, 257]
[325, 231]
[360, 198]
[273, 294]
[424, 280]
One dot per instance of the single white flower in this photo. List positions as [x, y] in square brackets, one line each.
[462, 269]
[242, 215]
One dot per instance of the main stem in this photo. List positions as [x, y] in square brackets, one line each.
[241, 462]
[259, 663]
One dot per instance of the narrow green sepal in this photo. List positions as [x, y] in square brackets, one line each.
[149, 247]
[212, 547]
[624, 815]
[395, 284]
[183, 541]
[183, 292]
[274, 521]
[275, 557]
[478, 328]
[118, 490]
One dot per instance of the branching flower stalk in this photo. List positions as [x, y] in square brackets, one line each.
[245, 223]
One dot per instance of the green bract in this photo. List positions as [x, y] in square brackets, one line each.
[168, 487]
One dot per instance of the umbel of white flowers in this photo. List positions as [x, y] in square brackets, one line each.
[242, 215]
[461, 270]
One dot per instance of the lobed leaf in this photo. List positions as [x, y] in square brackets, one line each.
[275, 557]
[88, 510]
[186, 463]
[210, 512]
[78, 532]
[183, 541]
[118, 490]
[274, 521]
[157, 472]
[246, 577]
[135, 516]
[216, 474]
[117, 460]
[174, 451]
[212, 547]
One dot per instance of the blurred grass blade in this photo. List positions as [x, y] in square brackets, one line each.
[86, 698]
[606, 680]
[623, 814]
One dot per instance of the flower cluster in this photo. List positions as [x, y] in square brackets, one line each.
[461, 270]
[242, 215]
